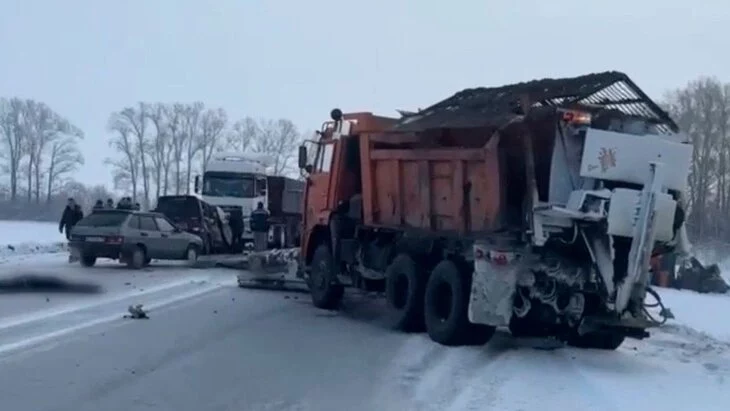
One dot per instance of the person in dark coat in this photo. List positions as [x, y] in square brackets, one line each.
[260, 227]
[125, 203]
[137, 206]
[235, 220]
[109, 203]
[72, 214]
[99, 205]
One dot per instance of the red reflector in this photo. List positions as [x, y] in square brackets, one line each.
[500, 260]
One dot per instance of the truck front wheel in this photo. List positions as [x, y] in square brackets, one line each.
[446, 307]
[404, 290]
[326, 292]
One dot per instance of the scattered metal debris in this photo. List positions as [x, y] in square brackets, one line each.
[136, 313]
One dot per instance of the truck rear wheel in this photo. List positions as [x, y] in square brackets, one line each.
[404, 291]
[326, 292]
[446, 306]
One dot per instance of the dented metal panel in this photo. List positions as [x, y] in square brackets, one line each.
[608, 155]
[490, 106]
[493, 286]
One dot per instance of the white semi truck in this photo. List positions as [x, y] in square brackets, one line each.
[237, 182]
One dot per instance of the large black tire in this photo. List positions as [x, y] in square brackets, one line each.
[404, 291]
[326, 292]
[88, 260]
[136, 258]
[597, 340]
[446, 305]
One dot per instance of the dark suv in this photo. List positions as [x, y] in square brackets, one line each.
[195, 216]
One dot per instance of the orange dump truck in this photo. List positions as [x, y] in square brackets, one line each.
[534, 206]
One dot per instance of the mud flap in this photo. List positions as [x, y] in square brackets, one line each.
[493, 286]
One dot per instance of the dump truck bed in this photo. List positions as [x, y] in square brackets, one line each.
[449, 189]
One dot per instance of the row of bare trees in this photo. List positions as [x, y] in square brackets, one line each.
[159, 146]
[38, 149]
[702, 110]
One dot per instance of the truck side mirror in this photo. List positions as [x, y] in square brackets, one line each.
[196, 188]
[302, 156]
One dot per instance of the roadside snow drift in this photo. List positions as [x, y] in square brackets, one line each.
[24, 238]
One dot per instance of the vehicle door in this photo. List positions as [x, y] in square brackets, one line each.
[211, 225]
[174, 241]
[151, 237]
[316, 191]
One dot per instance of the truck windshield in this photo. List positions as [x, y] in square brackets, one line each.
[228, 185]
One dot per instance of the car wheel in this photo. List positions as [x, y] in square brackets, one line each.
[191, 254]
[137, 258]
[88, 260]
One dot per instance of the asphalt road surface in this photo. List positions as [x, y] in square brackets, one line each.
[209, 346]
[225, 349]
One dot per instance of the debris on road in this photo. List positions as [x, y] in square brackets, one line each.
[136, 313]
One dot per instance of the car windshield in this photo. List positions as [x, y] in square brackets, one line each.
[104, 219]
[228, 185]
[178, 208]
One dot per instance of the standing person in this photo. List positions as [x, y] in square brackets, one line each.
[236, 222]
[98, 205]
[260, 227]
[71, 215]
[109, 203]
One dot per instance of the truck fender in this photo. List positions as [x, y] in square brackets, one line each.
[493, 285]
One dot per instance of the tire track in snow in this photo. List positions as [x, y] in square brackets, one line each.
[528, 379]
[427, 376]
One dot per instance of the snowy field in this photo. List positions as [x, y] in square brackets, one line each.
[26, 238]
[684, 365]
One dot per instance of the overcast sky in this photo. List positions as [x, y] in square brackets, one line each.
[299, 59]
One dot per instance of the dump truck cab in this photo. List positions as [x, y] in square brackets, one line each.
[332, 166]
[536, 206]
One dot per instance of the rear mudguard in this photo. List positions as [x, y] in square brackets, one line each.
[493, 286]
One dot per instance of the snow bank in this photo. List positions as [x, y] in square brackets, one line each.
[24, 238]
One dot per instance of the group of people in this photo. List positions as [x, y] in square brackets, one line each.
[125, 203]
[73, 213]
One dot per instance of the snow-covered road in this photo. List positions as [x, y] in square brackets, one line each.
[212, 346]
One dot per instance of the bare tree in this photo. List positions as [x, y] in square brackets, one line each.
[12, 133]
[64, 158]
[278, 139]
[126, 168]
[174, 115]
[243, 134]
[702, 109]
[190, 125]
[43, 127]
[212, 125]
[160, 147]
[136, 119]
